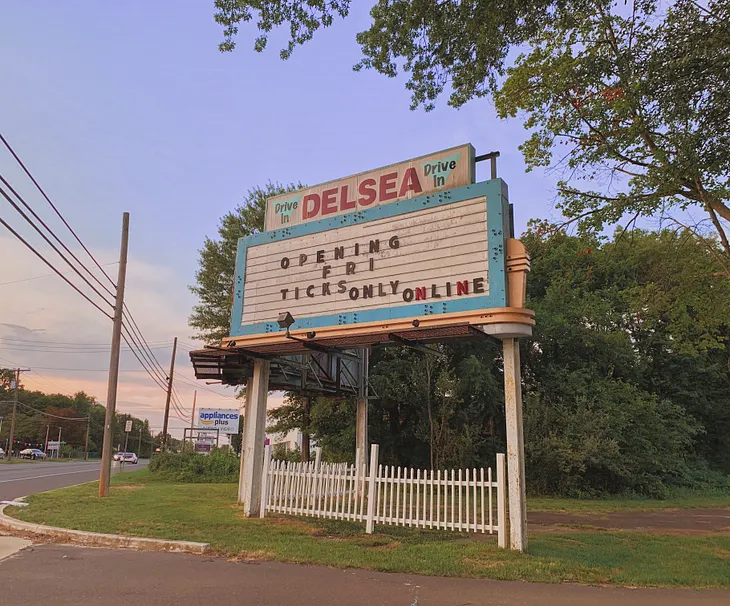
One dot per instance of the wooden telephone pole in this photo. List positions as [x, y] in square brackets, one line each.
[169, 396]
[111, 394]
[15, 385]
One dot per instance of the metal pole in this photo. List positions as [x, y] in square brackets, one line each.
[126, 442]
[58, 452]
[169, 396]
[111, 395]
[192, 417]
[86, 444]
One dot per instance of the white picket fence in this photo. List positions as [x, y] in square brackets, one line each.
[466, 500]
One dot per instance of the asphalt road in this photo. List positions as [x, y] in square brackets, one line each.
[67, 576]
[22, 479]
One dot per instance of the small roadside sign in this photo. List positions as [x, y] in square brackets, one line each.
[128, 426]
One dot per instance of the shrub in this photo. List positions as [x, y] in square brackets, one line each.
[220, 466]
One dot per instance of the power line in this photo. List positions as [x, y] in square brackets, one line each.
[44, 276]
[42, 258]
[158, 344]
[50, 231]
[53, 206]
[134, 333]
[51, 415]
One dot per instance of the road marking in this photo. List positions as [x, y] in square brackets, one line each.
[49, 475]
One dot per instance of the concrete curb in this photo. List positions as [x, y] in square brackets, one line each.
[97, 539]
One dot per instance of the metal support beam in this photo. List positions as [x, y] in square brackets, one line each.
[414, 345]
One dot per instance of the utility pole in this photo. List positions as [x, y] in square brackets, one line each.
[45, 444]
[58, 452]
[86, 445]
[139, 449]
[15, 385]
[111, 394]
[169, 395]
[192, 418]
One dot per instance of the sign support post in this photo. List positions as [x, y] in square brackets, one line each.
[254, 433]
[515, 445]
[361, 432]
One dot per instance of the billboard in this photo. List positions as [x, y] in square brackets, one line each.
[435, 172]
[223, 419]
[437, 259]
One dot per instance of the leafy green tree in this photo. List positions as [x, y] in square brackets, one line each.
[637, 106]
[211, 317]
[605, 409]
[7, 376]
[630, 96]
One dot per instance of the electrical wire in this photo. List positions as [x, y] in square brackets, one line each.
[53, 206]
[51, 415]
[135, 334]
[52, 233]
[42, 258]
[44, 276]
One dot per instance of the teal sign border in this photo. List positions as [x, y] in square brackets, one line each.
[496, 200]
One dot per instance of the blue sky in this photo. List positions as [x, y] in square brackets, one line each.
[130, 106]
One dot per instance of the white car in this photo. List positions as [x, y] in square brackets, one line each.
[2, 453]
[117, 456]
[129, 457]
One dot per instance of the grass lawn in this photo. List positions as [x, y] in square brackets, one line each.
[144, 506]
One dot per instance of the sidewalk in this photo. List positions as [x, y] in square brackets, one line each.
[74, 575]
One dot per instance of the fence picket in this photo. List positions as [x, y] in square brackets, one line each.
[474, 508]
[467, 500]
[489, 476]
[372, 494]
[418, 494]
[392, 488]
[377, 493]
[363, 477]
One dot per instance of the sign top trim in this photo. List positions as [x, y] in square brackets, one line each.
[430, 173]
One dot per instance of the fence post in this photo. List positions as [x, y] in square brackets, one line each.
[317, 456]
[501, 502]
[265, 481]
[371, 489]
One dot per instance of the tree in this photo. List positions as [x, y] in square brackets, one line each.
[623, 379]
[639, 105]
[462, 44]
[216, 266]
[7, 376]
[637, 95]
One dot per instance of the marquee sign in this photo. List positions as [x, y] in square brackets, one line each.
[427, 174]
[438, 258]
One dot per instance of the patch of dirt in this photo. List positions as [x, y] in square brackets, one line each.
[259, 555]
[667, 521]
[127, 487]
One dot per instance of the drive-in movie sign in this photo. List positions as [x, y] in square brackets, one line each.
[418, 241]
[223, 419]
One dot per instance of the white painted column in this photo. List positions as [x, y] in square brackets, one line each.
[515, 445]
[254, 434]
[361, 432]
